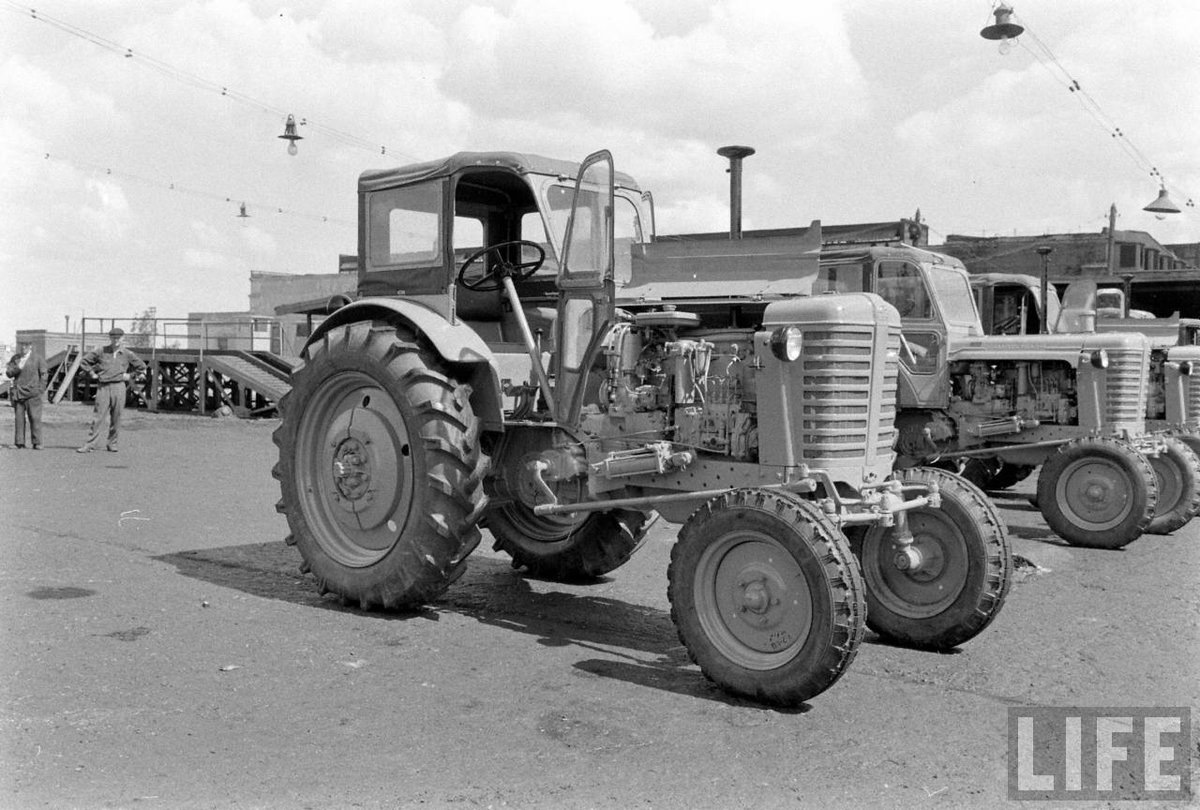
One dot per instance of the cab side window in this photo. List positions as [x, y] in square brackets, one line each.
[901, 285]
[403, 228]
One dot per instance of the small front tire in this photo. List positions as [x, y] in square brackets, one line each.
[1097, 493]
[766, 596]
[963, 575]
[1177, 473]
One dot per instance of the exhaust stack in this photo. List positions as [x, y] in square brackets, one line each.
[735, 154]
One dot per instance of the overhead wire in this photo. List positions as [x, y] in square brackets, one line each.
[1046, 58]
[198, 82]
[246, 203]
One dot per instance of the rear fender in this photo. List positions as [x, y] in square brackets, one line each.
[454, 343]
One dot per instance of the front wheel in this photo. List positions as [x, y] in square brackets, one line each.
[567, 548]
[766, 596]
[1097, 493]
[954, 582]
[1177, 473]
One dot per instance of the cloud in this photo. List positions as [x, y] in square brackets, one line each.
[107, 220]
[203, 259]
[763, 66]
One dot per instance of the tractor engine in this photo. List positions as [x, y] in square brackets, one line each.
[814, 385]
[665, 378]
[1000, 392]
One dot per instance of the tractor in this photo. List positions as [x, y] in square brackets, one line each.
[974, 404]
[1013, 304]
[484, 377]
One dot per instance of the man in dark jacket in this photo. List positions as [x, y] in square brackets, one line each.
[27, 369]
[110, 366]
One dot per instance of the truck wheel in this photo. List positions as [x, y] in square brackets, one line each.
[1177, 473]
[380, 467]
[962, 577]
[766, 596]
[1097, 492]
[1009, 475]
[566, 548]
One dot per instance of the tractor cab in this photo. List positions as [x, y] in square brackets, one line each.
[516, 247]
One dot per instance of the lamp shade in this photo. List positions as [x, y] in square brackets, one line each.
[1163, 204]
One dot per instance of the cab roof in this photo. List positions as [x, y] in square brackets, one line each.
[899, 252]
[444, 167]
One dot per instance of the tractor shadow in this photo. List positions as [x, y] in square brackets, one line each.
[633, 643]
[1017, 501]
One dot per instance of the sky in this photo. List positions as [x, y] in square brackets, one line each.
[132, 132]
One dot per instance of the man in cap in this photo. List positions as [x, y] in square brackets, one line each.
[110, 367]
[27, 369]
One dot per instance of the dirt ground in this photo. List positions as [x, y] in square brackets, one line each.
[159, 648]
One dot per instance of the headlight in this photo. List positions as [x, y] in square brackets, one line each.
[786, 343]
[1100, 358]
[1185, 368]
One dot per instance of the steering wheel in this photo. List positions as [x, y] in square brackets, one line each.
[493, 279]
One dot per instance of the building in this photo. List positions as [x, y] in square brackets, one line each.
[275, 295]
[1160, 279]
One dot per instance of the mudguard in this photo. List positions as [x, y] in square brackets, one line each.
[454, 343]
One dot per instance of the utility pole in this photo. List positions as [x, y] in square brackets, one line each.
[1044, 251]
[1112, 244]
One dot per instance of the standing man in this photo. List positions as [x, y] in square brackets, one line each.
[110, 367]
[28, 371]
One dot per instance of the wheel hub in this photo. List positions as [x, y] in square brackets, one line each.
[756, 597]
[352, 469]
[1092, 493]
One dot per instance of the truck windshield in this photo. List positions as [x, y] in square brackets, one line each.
[953, 293]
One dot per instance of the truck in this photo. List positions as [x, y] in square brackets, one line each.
[483, 377]
[1013, 304]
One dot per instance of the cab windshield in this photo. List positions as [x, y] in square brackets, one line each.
[953, 293]
[556, 203]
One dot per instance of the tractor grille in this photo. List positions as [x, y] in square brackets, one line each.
[838, 420]
[1126, 386]
[1192, 417]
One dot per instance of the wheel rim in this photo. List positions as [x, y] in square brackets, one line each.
[354, 469]
[931, 584]
[1094, 493]
[1170, 486]
[544, 528]
[753, 600]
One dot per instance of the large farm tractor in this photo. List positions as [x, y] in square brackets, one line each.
[1014, 304]
[484, 377]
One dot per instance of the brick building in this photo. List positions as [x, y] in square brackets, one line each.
[1162, 279]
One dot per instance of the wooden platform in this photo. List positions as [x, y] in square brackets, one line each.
[249, 383]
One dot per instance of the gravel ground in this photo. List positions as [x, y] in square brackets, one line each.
[159, 648]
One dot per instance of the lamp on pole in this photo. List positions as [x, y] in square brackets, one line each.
[1044, 251]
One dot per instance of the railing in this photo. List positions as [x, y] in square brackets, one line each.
[159, 334]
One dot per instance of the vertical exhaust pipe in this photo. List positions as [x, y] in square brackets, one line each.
[735, 154]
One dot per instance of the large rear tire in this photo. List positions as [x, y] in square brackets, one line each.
[567, 548]
[766, 596]
[379, 466]
[1177, 473]
[1097, 493]
[963, 575]
[979, 471]
[1009, 475]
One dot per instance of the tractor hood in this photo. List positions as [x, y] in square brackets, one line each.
[715, 266]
